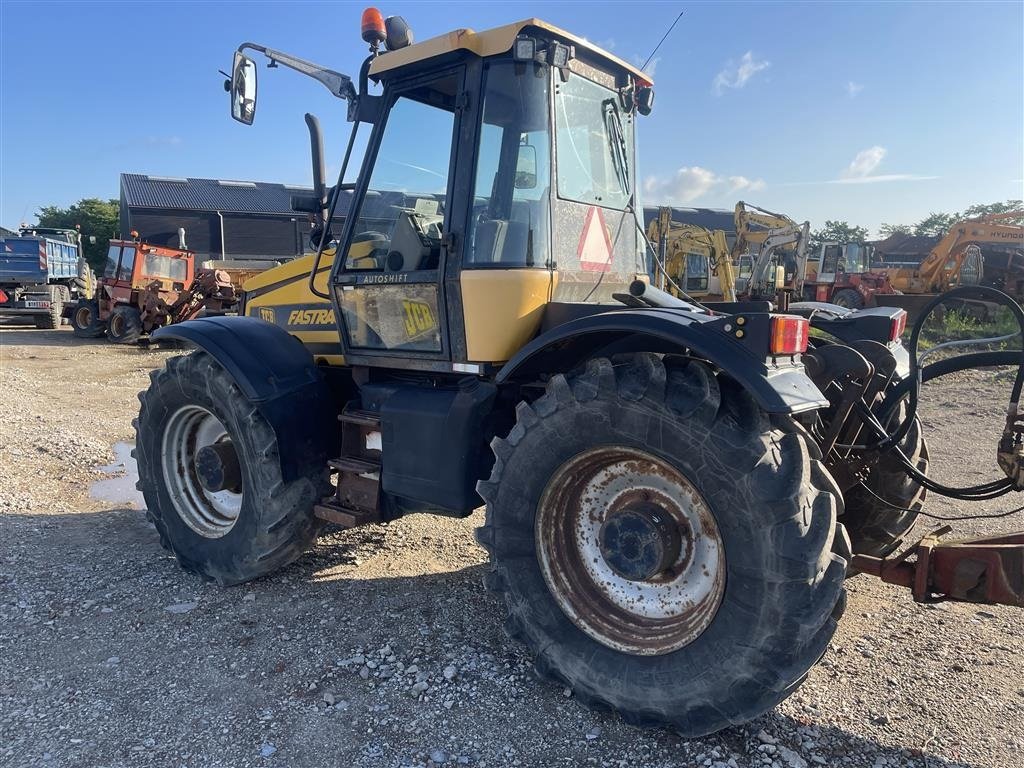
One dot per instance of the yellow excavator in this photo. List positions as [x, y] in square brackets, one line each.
[770, 253]
[695, 260]
[957, 260]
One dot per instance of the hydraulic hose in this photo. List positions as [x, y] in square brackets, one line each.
[911, 388]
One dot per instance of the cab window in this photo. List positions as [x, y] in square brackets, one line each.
[113, 256]
[401, 218]
[510, 215]
[124, 272]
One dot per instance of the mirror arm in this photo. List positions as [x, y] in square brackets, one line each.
[338, 84]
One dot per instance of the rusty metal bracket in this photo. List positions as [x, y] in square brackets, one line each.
[989, 570]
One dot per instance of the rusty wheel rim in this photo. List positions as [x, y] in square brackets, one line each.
[630, 550]
[83, 317]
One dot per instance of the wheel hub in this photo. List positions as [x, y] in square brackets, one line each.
[217, 467]
[640, 541]
[201, 471]
[630, 550]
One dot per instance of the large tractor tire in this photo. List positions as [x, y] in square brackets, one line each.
[85, 320]
[51, 320]
[662, 548]
[125, 325]
[883, 509]
[849, 298]
[210, 474]
[65, 299]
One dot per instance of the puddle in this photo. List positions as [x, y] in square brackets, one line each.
[120, 487]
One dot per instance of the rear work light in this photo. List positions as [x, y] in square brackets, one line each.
[789, 335]
[898, 325]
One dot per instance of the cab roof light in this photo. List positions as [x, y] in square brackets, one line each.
[374, 30]
[789, 335]
[524, 48]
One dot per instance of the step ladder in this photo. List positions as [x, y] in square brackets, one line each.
[356, 500]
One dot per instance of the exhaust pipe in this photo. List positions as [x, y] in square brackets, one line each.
[655, 297]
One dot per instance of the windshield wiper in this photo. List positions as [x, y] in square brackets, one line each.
[616, 142]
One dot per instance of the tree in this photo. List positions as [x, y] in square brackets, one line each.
[838, 232]
[97, 218]
[888, 230]
[936, 224]
[1016, 206]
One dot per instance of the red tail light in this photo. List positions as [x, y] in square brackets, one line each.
[898, 326]
[3, 297]
[789, 335]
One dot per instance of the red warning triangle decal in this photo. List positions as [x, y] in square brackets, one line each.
[595, 248]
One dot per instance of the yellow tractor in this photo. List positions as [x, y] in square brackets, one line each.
[671, 493]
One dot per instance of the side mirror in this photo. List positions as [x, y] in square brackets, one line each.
[526, 167]
[645, 100]
[243, 89]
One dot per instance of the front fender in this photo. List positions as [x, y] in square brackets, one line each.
[277, 374]
[778, 387]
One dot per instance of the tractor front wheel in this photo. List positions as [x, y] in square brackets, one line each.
[662, 547]
[210, 472]
[125, 325]
[85, 320]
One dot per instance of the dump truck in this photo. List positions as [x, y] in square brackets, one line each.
[42, 270]
[674, 497]
[145, 287]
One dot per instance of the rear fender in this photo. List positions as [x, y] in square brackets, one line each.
[779, 385]
[277, 374]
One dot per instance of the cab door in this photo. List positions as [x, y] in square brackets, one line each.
[388, 285]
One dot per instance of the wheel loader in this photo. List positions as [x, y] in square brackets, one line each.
[675, 494]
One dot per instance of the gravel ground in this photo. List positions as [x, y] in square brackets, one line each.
[381, 647]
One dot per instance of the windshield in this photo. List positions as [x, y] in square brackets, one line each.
[165, 266]
[594, 140]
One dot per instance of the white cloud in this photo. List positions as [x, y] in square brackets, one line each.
[864, 163]
[692, 183]
[852, 89]
[735, 75]
[882, 178]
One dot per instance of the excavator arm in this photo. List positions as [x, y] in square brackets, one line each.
[762, 233]
[675, 241]
[941, 269]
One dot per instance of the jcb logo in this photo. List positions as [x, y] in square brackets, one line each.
[419, 318]
[267, 314]
[310, 317]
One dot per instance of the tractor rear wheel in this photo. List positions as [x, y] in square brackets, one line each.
[210, 472]
[125, 325]
[883, 508]
[848, 298]
[661, 547]
[85, 320]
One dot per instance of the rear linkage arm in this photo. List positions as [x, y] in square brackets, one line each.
[973, 570]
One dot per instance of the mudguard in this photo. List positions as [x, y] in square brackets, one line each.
[277, 374]
[779, 385]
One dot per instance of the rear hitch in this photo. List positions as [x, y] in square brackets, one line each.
[989, 570]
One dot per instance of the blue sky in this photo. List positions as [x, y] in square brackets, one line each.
[865, 112]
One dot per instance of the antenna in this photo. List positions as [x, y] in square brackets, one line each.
[663, 38]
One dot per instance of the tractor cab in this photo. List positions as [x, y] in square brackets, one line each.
[134, 265]
[462, 236]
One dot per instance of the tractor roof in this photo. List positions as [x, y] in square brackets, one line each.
[489, 43]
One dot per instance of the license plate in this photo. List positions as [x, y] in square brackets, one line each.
[37, 304]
